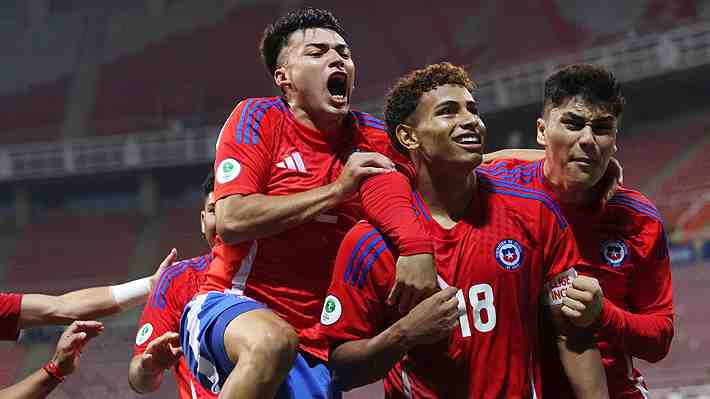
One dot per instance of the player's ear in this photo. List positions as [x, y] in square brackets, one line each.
[407, 136]
[541, 134]
[281, 78]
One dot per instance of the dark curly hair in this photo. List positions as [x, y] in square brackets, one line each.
[208, 184]
[403, 97]
[594, 84]
[276, 35]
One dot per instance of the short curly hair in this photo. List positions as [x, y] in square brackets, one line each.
[594, 84]
[275, 36]
[403, 97]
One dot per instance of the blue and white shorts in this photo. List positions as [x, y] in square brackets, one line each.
[202, 328]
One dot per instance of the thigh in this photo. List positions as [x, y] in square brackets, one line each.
[202, 327]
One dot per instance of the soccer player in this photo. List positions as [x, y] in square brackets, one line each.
[19, 311]
[157, 345]
[502, 245]
[622, 242]
[287, 174]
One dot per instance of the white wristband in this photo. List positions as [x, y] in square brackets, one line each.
[132, 293]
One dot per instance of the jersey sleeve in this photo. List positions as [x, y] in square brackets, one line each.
[646, 328]
[560, 254]
[163, 309]
[243, 159]
[355, 306]
[386, 199]
[10, 306]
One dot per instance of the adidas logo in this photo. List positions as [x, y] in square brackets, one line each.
[293, 162]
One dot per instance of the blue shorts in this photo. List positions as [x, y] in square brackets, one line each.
[202, 327]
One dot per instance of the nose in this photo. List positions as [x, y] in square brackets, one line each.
[472, 121]
[586, 138]
[336, 60]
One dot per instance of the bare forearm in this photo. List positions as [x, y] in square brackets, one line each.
[357, 363]
[85, 304]
[37, 385]
[140, 379]
[582, 363]
[257, 215]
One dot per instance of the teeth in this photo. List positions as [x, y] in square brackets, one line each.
[469, 140]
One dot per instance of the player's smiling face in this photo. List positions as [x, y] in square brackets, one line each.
[579, 140]
[318, 71]
[447, 127]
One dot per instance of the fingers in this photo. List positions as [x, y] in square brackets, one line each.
[163, 341]
[370, 170]
[579, 295]
[574, 304]
[588, 284]
[91, 328]
[395, 293]
[172, 255]
[570, 313]
[405, 301]
[373, 159]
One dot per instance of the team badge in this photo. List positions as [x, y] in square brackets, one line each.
[228, 170]
[331, 310]
[614, 252]
[509, 254]
[144, 333]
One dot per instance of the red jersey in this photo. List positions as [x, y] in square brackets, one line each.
[10, 305]
[176, 286]
[623, 245]
[263, 149]
[501, 254]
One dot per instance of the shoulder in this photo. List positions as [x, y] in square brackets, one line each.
[373, 130]
[250, 114]
[513, 170]
[178, 277]
[524, 198]
[634, 205]
[362, 249]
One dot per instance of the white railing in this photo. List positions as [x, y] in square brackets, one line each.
[105, 154]
[632, 59]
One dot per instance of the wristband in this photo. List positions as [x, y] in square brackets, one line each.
[132, 293]
[53, 371]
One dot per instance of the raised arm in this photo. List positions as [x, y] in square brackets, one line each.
[88, 303]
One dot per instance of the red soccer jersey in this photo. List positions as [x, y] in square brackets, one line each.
[511, 242]
[263, 149]
[10, 305]
[623, 246]
[176, 285]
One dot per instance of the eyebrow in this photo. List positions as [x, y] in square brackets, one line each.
[452, 102]
[326, 46]
[578, 117]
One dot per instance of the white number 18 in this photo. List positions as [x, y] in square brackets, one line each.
[478, 305]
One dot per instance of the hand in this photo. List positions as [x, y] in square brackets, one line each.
[433, 319]
[166, 262]
[162, 353]
[358, 166]
[72, 342]
[415, 280]
[583, 303]
[611, 181]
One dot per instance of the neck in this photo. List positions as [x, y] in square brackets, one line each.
[322, 121]
[447, 191]
[566, 192]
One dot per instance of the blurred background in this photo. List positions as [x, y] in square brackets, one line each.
[110, 112]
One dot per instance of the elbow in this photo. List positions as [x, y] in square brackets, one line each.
[664, 345]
